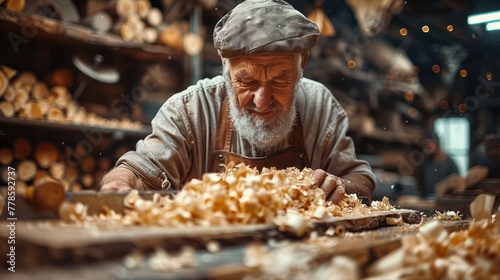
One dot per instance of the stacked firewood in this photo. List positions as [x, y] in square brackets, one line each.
[138, 21]
[23, 96]
[75, 169]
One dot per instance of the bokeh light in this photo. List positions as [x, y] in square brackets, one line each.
[444, 105]
[351, 64]
[412, 112]
[489, 76]
[436, 68]
[409, 96]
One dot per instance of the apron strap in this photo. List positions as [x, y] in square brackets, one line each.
[224, 128]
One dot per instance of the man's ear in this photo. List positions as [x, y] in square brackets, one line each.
[303, 62]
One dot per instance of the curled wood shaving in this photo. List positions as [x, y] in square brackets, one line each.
[447, 216]
[383, 205]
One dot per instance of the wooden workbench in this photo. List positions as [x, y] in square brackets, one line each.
[87, 263]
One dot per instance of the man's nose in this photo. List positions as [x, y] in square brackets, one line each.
[262, 98]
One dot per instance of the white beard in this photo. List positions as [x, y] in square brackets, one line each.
[262, 135]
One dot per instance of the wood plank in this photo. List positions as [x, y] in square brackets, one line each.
[55, 234]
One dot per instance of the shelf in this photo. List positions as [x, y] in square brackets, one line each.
[29, 26]
[117, 132]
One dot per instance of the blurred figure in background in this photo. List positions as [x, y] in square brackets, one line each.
[436, 166]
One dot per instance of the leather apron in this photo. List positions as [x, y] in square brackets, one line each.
[294, 155]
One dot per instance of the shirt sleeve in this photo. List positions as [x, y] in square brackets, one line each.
[162, 159]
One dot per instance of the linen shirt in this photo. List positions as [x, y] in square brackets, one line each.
[184, 130]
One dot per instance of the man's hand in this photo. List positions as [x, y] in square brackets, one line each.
[116, 186]
[120, 180]
[332, 185]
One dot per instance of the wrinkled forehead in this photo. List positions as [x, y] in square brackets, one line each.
[264, 61]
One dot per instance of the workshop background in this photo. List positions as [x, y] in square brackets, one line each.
[80, 81]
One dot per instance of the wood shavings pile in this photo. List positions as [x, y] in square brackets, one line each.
[435, 254]
[239, 195]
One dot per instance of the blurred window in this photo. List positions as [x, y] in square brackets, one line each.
[454, 140]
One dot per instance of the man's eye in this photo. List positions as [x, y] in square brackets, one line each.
[279, 83]
[248, 82]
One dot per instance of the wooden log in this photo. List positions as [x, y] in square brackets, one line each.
[125, 30]
[137, 26]
[154, 17]
[26, 170]
[61, 96]
[72, 109]
[46, 153]
[10, 94]
[6, 109]
[100, 21]
[122, 8]
[22, 97]
[22, 148]
[16, 5]
[150, 35]
[40, 91]
[80, 116]
[66, 184]
[88, 164]
[41, 174]
[47, 195]
[171, 35]
[9, 72]
[43, 106]
[55, 115]
[193, 44]
[6, 156]
[4, 83]
[32, 111]
[75, 186]
[83, 150]
[72, 173]
[57, 170]
[21, 114]
[21, 187]
[143, 8]
[25, 80]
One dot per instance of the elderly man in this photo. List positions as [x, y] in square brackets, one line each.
[261, 111]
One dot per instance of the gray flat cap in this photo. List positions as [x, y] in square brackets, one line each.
[264, 26]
